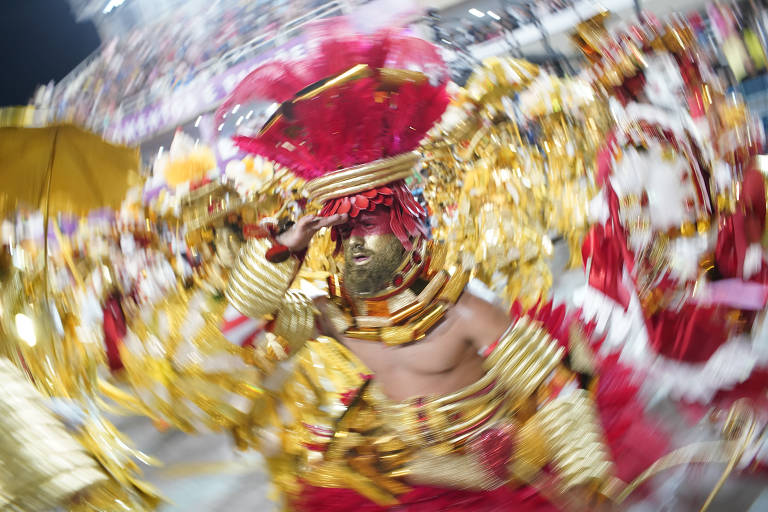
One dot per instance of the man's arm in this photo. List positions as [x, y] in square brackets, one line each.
[564, 417]
[260, 281]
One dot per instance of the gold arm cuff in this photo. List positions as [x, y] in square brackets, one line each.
[295, 320]
[571, 430]
[532, 452]
[455, 286]
[524, 357]
[256, 286]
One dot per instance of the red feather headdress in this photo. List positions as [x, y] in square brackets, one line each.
[349, 119]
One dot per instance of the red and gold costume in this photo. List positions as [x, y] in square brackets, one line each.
[536, 431]
[675, 250]
[675, 264]
[523, 435]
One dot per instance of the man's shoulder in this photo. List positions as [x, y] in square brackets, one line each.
[478, 299]
[484, 320]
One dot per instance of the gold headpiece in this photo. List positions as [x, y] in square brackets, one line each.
[353, 180]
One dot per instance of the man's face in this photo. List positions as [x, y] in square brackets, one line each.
[372, 252]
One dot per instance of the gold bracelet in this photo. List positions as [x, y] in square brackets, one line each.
[570, 427]
[526, 354]
[295, 320]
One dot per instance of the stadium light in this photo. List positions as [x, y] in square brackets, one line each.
[111, 5]
[493, 15]
[476, 13]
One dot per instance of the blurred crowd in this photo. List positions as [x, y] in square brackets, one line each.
[477, 30]
[734, 36]
[152, 61]
[155, 60]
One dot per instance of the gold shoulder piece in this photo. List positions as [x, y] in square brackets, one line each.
[454, 287]
[437, 255]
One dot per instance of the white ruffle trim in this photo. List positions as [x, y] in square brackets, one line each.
[753, 260]
[627, 335]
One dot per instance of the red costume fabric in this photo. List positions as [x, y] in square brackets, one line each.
[635, 443]
[426, 499]
[114, 331]
[693, 332]
[743, 228]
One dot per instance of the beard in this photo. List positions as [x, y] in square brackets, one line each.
[370, 263]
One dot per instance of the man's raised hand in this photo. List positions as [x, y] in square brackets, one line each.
[299, 235]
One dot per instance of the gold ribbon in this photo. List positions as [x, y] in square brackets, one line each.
[729, 452]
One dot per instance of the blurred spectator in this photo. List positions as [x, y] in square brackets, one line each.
[150, 62]
[477, 30]
[153, 61]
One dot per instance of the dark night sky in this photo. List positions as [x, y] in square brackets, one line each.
[39, 41]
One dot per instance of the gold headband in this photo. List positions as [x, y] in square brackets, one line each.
[353, 180]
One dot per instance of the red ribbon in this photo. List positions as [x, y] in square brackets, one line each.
[114, 331]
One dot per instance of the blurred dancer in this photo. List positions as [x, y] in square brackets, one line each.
[677, 273]
[406, 390]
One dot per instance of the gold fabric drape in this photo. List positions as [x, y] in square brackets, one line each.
[70, 169]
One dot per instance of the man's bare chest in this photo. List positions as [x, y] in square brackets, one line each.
[441, 350]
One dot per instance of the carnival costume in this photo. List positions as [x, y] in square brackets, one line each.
[535, 429]
[676, 245]
[347, 123]
[675, 265]
[510, 167]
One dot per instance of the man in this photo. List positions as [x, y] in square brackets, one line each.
[415, 378]
[400, 388]
[448, 358]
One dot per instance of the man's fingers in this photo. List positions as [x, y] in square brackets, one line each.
[308, 220]
[310, 224]
[332, 220]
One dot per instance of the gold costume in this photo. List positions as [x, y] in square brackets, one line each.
[306, 401]
[333, 426]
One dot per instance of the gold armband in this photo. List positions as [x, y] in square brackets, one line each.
[524, 356]
[569, 426]
[295, 320]
[256, 286]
